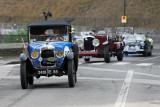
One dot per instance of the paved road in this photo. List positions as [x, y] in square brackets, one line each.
[134, 82]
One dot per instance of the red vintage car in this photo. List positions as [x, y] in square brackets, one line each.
[100, 45]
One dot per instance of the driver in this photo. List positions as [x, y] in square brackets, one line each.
[56, 37]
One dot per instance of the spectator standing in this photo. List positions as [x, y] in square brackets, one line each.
[49, 14]
[44, 14]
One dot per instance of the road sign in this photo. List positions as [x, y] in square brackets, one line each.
[124, 19]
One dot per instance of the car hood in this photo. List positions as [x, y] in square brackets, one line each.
[133, 42]
[50, 45]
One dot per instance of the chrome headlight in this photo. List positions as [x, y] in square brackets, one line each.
[34, 54]
[95, 42]
[59, 53]
[142, 43]
[80, 43]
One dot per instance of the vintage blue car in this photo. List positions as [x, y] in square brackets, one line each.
[47, 53]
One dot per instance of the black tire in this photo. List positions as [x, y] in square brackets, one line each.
[71, 73]
[76, 55]
[126, 54]
[145, 53]
[106, 54]
[23, 75]
[150, 53]
[87, 59]
[31, 80]
[119, 55]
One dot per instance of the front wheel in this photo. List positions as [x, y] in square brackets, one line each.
[23, 75]
[72, 77]
[150, 53]
[31, 80]
[119, 55]
[145, 53]
[106, 54]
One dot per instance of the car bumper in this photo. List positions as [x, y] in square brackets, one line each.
[88, 53]
[134, 51]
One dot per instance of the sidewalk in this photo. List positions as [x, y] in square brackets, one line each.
[9, 60]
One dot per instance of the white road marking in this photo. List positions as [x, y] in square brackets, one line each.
[11, 65]
[121, 100]
[97, 63]
[114, 70]
[79, 63]
[148, 58]
[144, 64]
[121, 63]
[146, 81]
[101, 69]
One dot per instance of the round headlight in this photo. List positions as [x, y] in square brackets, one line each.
[34, 54]
[95, 42]
[59, 53]
[142, 43]
[80, 43]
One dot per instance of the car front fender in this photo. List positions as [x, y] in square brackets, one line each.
[70, 55]
[118, 45]
[23, 57]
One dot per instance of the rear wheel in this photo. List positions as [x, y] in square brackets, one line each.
[23, 75]
[119, 55]
[150, 53]
[71, 73]
[87, 59]
[106, 54]
[76, 55]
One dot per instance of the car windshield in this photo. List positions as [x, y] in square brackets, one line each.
[52, 35]
[101, 33]
[130, 38]
[140, 37]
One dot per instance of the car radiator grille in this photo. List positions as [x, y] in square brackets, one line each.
[88, 44]
[47, 54]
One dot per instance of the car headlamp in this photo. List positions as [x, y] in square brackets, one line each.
[80, 43]
[59, 53]
[142, 43]
[34, 54]
[95, 42]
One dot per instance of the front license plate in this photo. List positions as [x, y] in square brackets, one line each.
[49, 72]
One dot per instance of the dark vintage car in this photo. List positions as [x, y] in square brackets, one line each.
[44, 56]
[100, 45]
[137, 44]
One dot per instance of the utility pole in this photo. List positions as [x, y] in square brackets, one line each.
[124, 11]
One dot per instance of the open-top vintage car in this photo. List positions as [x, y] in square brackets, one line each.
[138, 44]
[100, 45]
[47, 54]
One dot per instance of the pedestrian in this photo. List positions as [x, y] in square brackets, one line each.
[49, 14]
[44, 14]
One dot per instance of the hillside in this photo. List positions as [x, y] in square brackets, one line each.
[81, 8]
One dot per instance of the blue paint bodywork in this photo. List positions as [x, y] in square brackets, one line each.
[37, 46]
